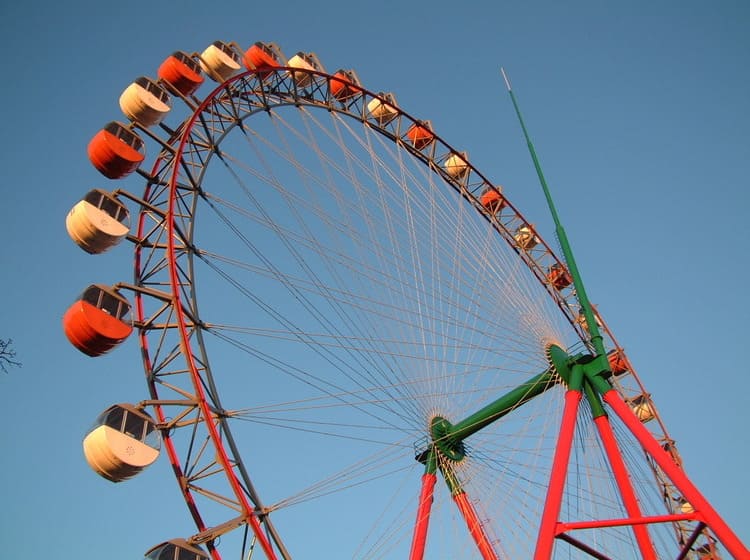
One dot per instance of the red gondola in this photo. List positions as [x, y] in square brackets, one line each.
[420, 134]
[181, 72]
[261, 56]
[116, 151]
[492, 199]
[617, 362]
[98, 321]
[559, 276]
[344, 84]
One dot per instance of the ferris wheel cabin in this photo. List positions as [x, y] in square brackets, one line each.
[383, 111]
[526, 238]
[456, 165]
[304, 61]
[182, 72]
[261, 56]
[492, 199]
[98, 321]
[123, 442]
[559, 276]
[176, 549]
[145, 102]
[220, 61]
[116, 151]
[641, 406]
[617, 362]
[343, 85]
[98, 222]
[420, 134]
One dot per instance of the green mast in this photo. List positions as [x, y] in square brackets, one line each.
[588, 312]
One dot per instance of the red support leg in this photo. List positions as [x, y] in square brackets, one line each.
[545, 541]
[703, 509]
[475, 526]
[423, 517]
[622, 478]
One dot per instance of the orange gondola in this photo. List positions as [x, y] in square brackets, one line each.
[176, 549]
[98, 222]
[116, 151]
[344, 84]
[420, 134]
[220, 61]
[145, 102]
[617, 362]
[262, 56]
[123, 442]
[98, 321]
[492, 199]
[182, 72]
[559, 276]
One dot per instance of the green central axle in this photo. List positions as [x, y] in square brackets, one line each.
[448, 438]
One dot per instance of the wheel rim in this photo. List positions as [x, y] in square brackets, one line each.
[175, 340]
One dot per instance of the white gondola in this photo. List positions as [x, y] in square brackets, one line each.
[145, 102]
[456, 165]
[98, 222]
[304, 61]
[176, 549]
[526, 238]
[123, 442]
[641, 406]
[220, 61]
[383, 111]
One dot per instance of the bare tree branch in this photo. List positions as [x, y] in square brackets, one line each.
[7, 355]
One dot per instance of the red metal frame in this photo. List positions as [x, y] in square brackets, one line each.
[174, 458]
[221, 453]
[551, 527]
[620, 471]
[548, 526]
[476, 529]
[423, 517]
[703, 511]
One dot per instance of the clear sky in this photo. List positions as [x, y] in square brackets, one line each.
[639, 114]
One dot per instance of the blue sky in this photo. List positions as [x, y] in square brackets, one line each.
[639, 115]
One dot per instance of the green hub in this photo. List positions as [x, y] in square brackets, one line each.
[580, 371]
[441, 431]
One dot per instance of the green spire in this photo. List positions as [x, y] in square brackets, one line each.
[583, 300]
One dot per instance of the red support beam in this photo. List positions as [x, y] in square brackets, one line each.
[622, 478]
[703, 510]
[547, 529]
[423, 517]
[602, 523]
[475, 526]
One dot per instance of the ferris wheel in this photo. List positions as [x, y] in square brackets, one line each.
[355, 346]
